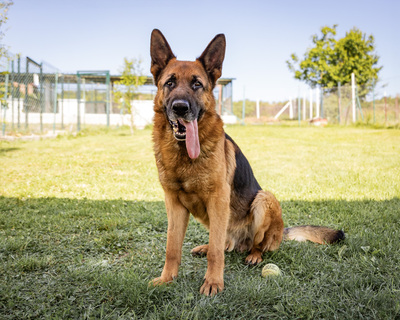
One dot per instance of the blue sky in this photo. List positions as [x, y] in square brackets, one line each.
[97, 34]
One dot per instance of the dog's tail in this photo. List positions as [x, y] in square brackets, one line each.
[317, 234]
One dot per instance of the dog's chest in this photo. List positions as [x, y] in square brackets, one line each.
[187, 178]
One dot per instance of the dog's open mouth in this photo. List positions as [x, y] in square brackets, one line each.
[188, 132]
[179, 130]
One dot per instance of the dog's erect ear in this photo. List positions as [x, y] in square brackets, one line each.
[160, 52]
[213, 56]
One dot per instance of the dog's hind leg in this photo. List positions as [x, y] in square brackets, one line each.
[267, 226]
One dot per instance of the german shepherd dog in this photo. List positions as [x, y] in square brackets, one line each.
[203, 171]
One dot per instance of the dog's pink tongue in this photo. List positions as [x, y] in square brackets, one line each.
[192, 138]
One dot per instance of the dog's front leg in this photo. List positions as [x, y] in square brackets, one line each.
[178, 218]
[218, 213]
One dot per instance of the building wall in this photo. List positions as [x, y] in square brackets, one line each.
[68, 114]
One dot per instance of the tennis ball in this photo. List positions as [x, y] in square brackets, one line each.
[270, 269]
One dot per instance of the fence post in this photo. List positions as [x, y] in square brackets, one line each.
[322, 103]
[41, 97]
[5, 100]
[12, 94]
[397, 107]
[108, 97]
[84, 101]
[62, 102]
[55, 103]
[78, 96]
[353, 96]
[298, 108]
[26, 93]
[339, 104]
[19, 92]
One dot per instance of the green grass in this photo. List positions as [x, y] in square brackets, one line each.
[83, 229]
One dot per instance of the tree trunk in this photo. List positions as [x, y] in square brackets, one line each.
[131, 122]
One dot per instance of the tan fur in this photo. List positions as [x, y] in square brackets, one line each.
[204, 186]
[317, 234]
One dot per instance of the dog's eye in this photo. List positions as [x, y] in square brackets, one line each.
[169, 83]
[197, 85]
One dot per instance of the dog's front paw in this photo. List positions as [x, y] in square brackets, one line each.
[161, 281]
[211, 287]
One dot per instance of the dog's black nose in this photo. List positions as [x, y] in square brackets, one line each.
[180, 107]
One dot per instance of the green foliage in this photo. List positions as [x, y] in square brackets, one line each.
[132, 77]
[4, 7]
[125, 90]
[330, 61]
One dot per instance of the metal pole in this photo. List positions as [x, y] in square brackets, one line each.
[19, 91]
[339, 104]
[5, 99]
[397, 107]
[353, 96]
[41, 98]
[322, 103]
[84, 100]
[290, 108]
[55, 104]
[12, 94]
[298, 108]
[78, 97]
[231, 86]
[62, 103]
[26, 93]
[108, 97]
[317, 102]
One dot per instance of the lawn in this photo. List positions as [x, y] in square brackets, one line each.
[83, 229]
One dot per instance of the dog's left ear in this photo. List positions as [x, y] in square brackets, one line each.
[213, 56]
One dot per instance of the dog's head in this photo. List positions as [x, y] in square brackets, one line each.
[185, 87]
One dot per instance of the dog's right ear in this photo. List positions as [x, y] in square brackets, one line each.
[160, 52]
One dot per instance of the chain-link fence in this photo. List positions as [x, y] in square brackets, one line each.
[370, 107]
[341, 105]
[37, 98]
[29, 95]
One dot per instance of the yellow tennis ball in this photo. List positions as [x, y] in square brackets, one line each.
[270, 269]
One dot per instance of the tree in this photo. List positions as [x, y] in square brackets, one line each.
[4, 7]
[331, 61]
[125, 90]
